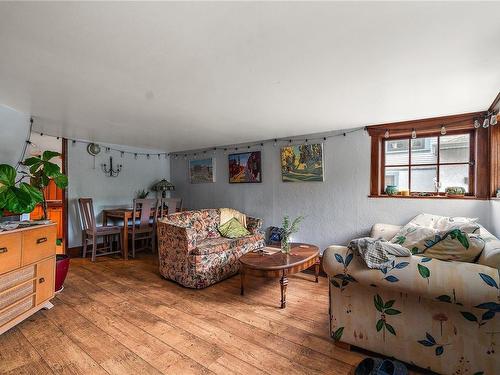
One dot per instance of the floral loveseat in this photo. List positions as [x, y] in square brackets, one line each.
[435, 314]
[192, 252]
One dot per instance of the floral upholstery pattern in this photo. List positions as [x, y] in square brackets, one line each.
[192, 253]
[435, 314]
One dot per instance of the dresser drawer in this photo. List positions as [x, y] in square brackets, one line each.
[45, 280]
[38, 244]
[16, 294]
[10, 252]
[10, 280]
[15, 310]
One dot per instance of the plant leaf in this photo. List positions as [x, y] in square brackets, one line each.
[348, 259]
[439, 350]
[424, 271]
[33, 161]
[7, 175]
[444, 298]
[391, 278]
[339, 258]
[335, 283]
[469, 316]
[402, 265]
[392, 312]
[488, 315]
[489, 306]
[47, 155]
[425, 343]
[389, 303]
[379, 325]
[51, 169]
[390, 328]
[337, 335]
[429, 337]
[379, 303]
[488, 280]
[60, 180]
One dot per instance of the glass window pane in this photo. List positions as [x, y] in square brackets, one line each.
[424, 150]
[423, 179]
[397, 152]
[454, 175]
[397, 176]
[454, 148]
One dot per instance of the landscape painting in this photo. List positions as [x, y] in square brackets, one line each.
[245, 167]
[201, 171]
[302, 163]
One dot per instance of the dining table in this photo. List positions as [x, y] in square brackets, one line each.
[124, 214]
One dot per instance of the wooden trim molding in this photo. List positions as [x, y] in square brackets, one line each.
[495, 150]
[480, 152]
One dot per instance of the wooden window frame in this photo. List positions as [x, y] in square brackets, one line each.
[479, 171]
[438, 162]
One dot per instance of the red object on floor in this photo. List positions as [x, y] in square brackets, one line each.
[62, 266]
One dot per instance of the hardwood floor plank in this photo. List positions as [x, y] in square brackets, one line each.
[17, 355]
[109, 353]
[61, 354]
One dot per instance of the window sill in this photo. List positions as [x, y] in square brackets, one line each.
[466, 197]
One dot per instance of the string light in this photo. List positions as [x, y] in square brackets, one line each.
[493, 119]
[147, 156]
[275, 142]
[413, 134]
[443, 130]
[159, 156]
[107, 150]
[135, 156]
[122, 153]
[477, 124]
[486, 122]
[386, 134]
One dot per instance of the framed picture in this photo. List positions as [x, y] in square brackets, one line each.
[245, 167]
[302, 163]
[201, 171]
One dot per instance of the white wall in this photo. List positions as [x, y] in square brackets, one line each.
[14, 127]
[108, 192]
[337, 209]
[495, 217]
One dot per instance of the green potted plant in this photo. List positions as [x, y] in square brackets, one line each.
[18, 197]
[455, 191]
[289, 227]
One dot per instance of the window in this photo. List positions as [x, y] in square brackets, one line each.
[428, 164]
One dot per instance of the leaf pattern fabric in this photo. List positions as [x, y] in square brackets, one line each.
[435, 314]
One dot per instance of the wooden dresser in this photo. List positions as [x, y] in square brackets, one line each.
[27, 272]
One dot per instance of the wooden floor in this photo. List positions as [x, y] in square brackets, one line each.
[121, 317]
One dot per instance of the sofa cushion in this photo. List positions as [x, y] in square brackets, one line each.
[221, 244]
[233, 229]
[203, 222]
[491, 253]
[441, 222]
[453, 241]
[385, 231]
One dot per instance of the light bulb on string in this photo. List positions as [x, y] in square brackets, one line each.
[215, 150]
[275, 143]
[225, 151]
[443, 130]
[493, 119]
[148, 156]
[486, 122]
[477, 124]
[386, 134]
[413, 134]
[121, 154]
[159, 156]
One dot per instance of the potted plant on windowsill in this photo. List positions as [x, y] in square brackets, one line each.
[455, 192]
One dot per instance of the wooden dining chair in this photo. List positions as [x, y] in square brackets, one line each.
[143, 229]
[169, 206]
[91, 232]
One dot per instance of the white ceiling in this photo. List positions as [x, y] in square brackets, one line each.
[176, 76]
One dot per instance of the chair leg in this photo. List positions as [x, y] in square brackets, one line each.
[133, 246]
[84, 243]
[120, 243]
[94, 248]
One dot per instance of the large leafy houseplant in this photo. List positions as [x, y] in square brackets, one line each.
[20, 197]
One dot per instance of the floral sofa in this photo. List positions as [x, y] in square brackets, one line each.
[192, 252]
[434, 314]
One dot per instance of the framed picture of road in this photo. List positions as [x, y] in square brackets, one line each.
[245, 167]
[202, 171]
[302, 163]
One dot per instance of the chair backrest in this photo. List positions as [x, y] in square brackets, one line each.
[87, 213]
[145, 207]
[169, 206]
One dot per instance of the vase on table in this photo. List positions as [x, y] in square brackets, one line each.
[285, 245]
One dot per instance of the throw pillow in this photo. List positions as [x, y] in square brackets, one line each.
[442, 222]
[233, 229]
[457, 242]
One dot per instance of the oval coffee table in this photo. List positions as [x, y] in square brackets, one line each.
[260, 263]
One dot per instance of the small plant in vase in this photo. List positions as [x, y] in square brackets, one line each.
[289, 227]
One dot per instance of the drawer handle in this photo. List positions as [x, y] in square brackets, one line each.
[3, 250]
[41, 240]
[42, 280]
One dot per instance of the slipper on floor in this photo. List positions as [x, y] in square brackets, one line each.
[367, 366]
[388, 367]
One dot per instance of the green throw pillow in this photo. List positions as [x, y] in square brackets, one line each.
[233, 229]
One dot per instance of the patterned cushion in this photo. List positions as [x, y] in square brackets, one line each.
[233, 229]
[442, 238]
[217, 245]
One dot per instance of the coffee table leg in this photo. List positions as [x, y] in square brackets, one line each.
[242, 280]
[316, 268]
[283, 283]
